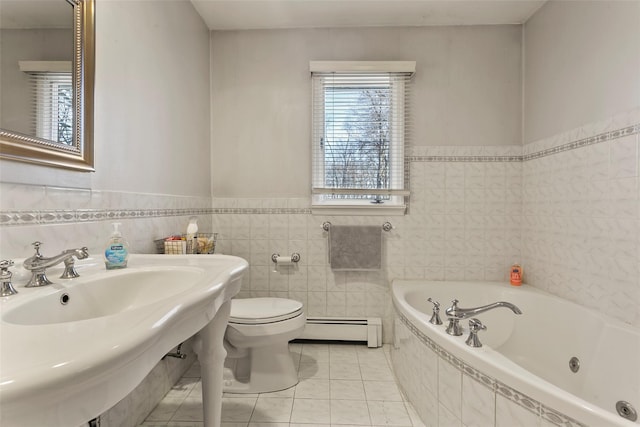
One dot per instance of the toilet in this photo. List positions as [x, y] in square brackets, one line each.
[257, 343]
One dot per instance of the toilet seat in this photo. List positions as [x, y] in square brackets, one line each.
[256, 311]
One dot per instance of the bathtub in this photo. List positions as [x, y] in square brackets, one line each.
[521, 375]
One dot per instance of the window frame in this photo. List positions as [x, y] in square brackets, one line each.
[321, 203]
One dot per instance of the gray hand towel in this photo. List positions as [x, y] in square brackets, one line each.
[355, 247]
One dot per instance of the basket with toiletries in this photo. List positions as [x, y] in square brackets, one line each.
[200, 243]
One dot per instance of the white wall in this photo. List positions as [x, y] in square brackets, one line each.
[16, 107]
[467, 85]
[151, 104]
[581, 65]
[152, 99]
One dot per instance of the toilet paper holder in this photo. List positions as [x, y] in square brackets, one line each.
[295, 257]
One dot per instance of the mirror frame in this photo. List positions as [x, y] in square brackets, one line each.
[79, 156]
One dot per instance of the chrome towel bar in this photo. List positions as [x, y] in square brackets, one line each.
[386, 226]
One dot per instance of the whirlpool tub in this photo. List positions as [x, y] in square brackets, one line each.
[523, 375]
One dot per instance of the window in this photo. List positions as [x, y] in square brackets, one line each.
[359, 133]
[52, 99]
[54, 108]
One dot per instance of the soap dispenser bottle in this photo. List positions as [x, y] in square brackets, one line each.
[116, 253]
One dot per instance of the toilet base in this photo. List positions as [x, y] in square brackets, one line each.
[261, 370]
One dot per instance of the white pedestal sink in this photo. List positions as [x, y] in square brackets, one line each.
[71, 350]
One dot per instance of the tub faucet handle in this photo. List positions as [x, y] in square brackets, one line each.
[475, 326]
[435, 317]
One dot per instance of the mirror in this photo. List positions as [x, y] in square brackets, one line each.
[46, 114]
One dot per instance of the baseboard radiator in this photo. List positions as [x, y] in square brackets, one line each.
[344, 329]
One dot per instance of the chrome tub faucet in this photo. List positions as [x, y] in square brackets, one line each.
[455, 314]
[37, 265]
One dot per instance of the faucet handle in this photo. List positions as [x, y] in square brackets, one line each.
[6, 287]
[475, 325]
[69, 263]
[4, 266]
[435, 317]
[37, 245]
[69, 269]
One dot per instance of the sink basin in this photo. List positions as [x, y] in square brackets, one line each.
[71, 350]
[104, 295]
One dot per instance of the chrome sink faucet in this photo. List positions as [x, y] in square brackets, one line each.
[37, 265]
[455, 314]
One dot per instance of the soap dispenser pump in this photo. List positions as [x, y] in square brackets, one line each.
[116, 253]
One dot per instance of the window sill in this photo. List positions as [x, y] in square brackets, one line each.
[358, 209]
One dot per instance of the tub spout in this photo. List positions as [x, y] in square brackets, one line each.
[464, 313]
[455, 313]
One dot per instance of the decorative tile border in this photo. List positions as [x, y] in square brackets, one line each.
[519, 398]
[63, 216]
[584, 142]
[262, 211]
[465, 159]
[491, 383]
[456, 155]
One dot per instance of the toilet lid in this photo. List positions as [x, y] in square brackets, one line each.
[263, 310]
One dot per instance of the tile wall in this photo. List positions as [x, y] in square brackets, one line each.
[464, 222]
[65, 217]
[581, 216]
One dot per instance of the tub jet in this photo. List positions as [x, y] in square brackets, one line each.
[626, 410]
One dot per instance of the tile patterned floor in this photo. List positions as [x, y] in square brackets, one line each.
[342, 385]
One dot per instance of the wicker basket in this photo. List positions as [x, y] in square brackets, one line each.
[205, 243]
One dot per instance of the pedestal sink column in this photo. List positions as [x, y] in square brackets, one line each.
[211, 354]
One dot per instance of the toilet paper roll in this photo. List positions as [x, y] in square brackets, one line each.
[284, 260]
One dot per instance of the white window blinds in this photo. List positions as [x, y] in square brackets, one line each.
[51, 97]
[360, 126]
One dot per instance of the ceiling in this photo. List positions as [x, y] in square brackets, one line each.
[273, 14]
[22, 14]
